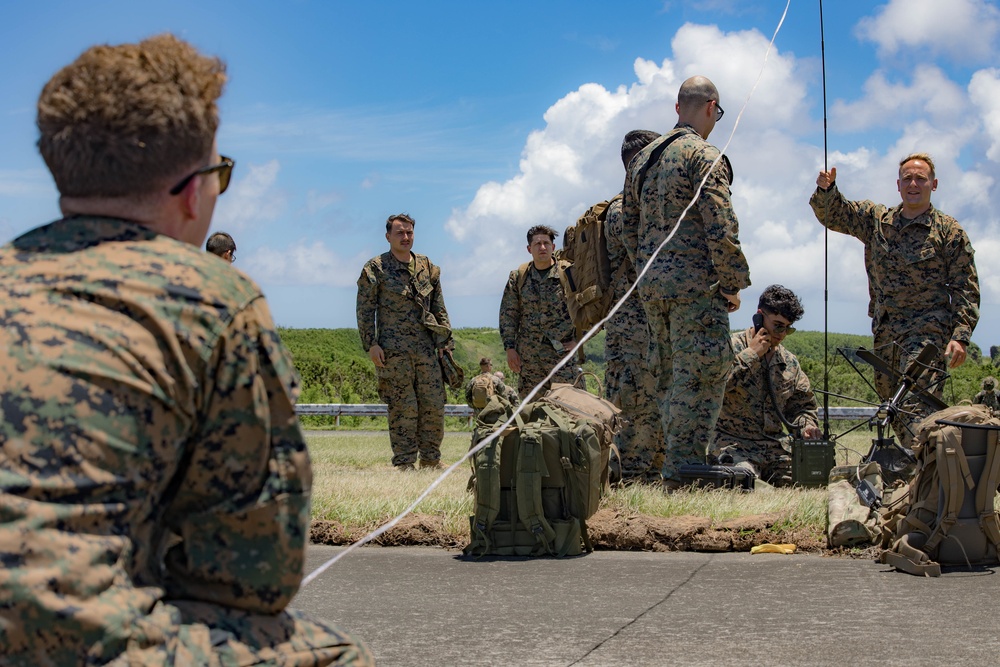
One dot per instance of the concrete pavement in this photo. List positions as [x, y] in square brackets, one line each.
[426, 606]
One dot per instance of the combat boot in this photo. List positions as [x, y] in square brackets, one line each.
[433, 465]
[403, 467]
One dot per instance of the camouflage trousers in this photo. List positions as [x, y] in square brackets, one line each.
[204, 634]
[631, 387]
[899, 357]
[770, 460]
[536, 362]
[412, 388]
[691, 348]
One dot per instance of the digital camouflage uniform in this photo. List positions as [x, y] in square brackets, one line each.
[628, 382]
[988, 397]
[154, 483]
[411, 383]
[749, 428]
[533, 322]
[499, 389]
[688, 317]
[922, 284]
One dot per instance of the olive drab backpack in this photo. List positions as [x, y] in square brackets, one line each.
[587, 281]
[947, 514]
[539, 481]
[482, 390]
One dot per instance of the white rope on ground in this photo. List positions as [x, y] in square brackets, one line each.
[381, 530]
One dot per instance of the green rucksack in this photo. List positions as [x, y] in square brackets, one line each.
[540, 480]
[947, 515]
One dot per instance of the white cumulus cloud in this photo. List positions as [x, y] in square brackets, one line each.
[251, 199]
[303, 263]
[964, 30]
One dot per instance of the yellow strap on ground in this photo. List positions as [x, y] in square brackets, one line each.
[773, 549]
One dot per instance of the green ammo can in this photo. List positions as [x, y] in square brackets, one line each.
[812, 461]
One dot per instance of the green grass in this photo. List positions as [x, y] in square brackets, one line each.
[355, 485]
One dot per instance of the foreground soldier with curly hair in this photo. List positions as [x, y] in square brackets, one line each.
[154, 482]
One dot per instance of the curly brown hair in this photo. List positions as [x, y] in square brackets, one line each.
[125, 120]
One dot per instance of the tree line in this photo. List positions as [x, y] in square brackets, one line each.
[334, 368]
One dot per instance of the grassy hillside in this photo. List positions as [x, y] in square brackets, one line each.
[335, 369]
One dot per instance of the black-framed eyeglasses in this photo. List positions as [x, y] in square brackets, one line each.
[225, 169]
[719, 111]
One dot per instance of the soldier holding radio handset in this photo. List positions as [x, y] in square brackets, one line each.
[766, 394]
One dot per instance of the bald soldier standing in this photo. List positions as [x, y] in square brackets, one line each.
[695, 281]
[922, 277]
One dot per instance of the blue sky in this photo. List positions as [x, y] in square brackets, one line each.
[482, 119]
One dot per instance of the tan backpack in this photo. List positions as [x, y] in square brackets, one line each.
[947, 515]
[587, 282]
[482, 390]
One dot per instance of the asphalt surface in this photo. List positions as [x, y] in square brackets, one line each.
[426, 606]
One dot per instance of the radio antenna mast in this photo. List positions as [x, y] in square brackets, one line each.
[826, 251]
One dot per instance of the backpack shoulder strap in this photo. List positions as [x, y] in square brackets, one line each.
[486, 473]
[530, 470]
[989, 481]
[522, 275]
[653, 157]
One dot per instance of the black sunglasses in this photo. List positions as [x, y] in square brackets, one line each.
[225, 169]
[719, 111]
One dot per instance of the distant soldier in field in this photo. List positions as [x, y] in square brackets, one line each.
[481, 387]
[628, 379]
[154, 481]
[695, 280]
[765, 389]
[404, 327]
[223, 245]
[922, 277]
[988, 395]
[535, 325]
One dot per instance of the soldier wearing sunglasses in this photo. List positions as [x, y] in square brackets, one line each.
[766, 393]
[154, 481]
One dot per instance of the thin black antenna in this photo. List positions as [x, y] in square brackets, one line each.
[826, 252]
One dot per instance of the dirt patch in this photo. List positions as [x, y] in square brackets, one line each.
[608, 530]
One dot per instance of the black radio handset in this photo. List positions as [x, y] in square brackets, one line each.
[758, 322]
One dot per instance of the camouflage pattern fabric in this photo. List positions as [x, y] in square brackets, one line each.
[410, 383]
[688, 317]
[533, 320]
[988, 398]
[922, 284]
[499, 389]
[150, 456]
[693, 359]
[749, 428]
[628, 382]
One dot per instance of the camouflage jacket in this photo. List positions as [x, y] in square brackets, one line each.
[149, 448]
[390, 315]
[989, 398]
[705, 253]
[747, 409]
[628, 326]
[921, 272]
[535, 315]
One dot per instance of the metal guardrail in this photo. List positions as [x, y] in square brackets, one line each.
[339, 410]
